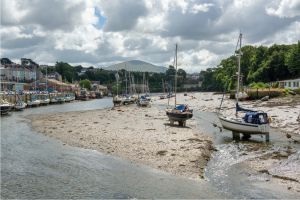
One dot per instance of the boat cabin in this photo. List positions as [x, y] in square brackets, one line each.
[256, 118]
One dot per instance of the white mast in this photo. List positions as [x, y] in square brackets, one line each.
[46, 78]
[239, 68]
[175, 73]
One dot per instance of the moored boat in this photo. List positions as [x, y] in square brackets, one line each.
[253, 122]
[33, 101]
[180, 112]
[143, 101]
[5, 107]
[117, 100]
[44, 99]
[20, 105]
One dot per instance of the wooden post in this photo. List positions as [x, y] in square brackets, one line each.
[267, 137]
[235, 135]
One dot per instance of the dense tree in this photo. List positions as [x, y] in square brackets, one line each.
[85, 84]
[258, 64]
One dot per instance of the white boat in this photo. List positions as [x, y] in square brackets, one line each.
[117, 100]
[44, 99]
[253, 122]
[5, 106]
[68, 98]
[53, 100]
[143, 101]
[20, 105]
[33, 102]
[241, 126]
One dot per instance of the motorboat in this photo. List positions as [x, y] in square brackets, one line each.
[20, 105]
[33, 101]
[117, 100]
[44, 99]
[143, 101]
[180, 113]
[5, 106]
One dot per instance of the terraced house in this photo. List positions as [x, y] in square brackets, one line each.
[15, 76]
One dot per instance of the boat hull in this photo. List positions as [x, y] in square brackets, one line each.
[243, 127]
[179, 116]
[5, 109]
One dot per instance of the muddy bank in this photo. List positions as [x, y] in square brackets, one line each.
[279, 166]
[142, 135]
[284, 111]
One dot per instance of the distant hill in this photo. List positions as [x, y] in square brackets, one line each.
[137, 66]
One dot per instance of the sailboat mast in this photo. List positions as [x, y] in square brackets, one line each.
[175, 73]
[239, 68]
[46, 78]
[126, 82]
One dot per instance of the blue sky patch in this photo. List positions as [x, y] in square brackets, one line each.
[101, 19]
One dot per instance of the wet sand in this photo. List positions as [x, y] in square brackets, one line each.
[142, 135]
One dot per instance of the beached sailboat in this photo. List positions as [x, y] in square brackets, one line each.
[253, 122]
[180, 112]
[163, 95]
[117, 100]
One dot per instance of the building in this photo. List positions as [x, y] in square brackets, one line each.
[14, 76]
[290, 84]
[54, 75]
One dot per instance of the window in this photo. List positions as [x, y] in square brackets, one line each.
[289, 84]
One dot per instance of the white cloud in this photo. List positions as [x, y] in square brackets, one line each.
[201, 7]
[206, 31]
[284, 8]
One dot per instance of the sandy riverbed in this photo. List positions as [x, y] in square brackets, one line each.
[142, 135]
[283, 111]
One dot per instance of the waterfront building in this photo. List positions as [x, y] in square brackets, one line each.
[15, 76]
[290, 84]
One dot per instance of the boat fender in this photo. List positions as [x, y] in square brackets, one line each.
[269, 120]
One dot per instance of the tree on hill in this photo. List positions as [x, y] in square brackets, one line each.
[85, 84]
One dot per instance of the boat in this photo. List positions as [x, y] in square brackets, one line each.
[253, 122]
[180, 112]
[117, 100]
[143, 101]
[60, 98]
[68, 98]
[53, 98]
[20, 105]
[5, 106]
[44, 99]
[33, 101]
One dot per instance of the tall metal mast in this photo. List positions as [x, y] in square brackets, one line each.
[239, 68]
[175, 73]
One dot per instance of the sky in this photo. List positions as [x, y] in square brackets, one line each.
[104, 32]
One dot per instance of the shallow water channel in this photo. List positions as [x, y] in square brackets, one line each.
[36, 166]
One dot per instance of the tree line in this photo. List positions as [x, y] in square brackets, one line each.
[258, 64]
[155, 81]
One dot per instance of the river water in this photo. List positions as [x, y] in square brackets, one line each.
[35, 166]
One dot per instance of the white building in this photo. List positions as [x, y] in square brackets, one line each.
[290, 84]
